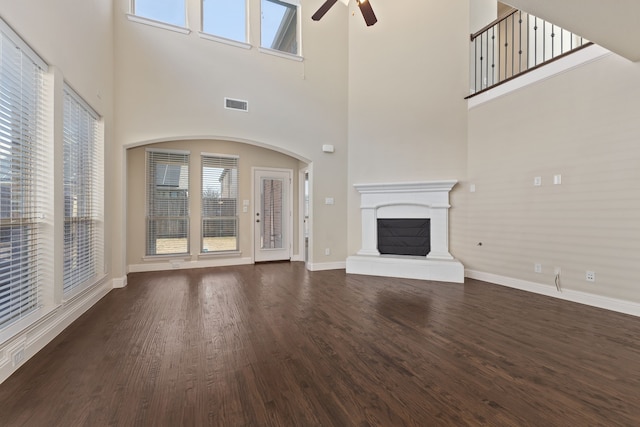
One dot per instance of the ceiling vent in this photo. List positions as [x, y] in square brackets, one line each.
[236, 104]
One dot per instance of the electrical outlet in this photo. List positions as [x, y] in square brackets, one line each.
[537, 268]
[591, 276]
[556, 271]
[537, 181]
[327, 251]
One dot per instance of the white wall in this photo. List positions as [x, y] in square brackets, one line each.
[582, 124]
[408, 76]
[171, 86]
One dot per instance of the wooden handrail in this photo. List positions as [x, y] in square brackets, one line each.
[501, 18]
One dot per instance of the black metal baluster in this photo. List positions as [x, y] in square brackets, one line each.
[528, 44]
[520, 42]
[535, 40]
[481, 68]
[493, 55]
[544, 41]
[487, 61]
[499, 49]
[513, 45]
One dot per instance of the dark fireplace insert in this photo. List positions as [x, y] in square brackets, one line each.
[404, 236]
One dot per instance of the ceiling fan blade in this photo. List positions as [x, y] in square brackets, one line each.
[323, 9]
[367, 12]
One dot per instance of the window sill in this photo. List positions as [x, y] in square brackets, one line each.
[223, 40]
[29, 322]
[158, 24]
[221, 254]
[177, 257]
[82, 289]
[281, 54]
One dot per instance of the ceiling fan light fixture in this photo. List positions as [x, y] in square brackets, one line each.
[364, 5]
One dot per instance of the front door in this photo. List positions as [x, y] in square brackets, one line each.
[272, 217]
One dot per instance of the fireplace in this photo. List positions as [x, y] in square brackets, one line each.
[404, 236]
[406, 201]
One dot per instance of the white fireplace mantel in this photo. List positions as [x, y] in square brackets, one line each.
[406, 200]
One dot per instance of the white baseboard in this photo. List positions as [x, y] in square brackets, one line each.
[33, 339]
[184, 265]
[620, 306]
[119, 282]
[297, 257]
[322, 266]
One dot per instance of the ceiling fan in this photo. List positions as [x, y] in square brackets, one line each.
[364, 5]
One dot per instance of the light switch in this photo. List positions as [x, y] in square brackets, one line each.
[328, 201]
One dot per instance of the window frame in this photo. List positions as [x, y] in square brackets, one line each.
[83, 147]
[298, 38]
[34, 144]
[141, 19]
[235, 186]
[217, 37]
[151, 187]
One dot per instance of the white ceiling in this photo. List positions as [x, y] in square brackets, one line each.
[613, 24]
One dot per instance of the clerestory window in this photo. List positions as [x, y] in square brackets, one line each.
[279, 26]
[168, 11]
[225, 18]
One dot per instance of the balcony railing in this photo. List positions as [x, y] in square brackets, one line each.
[514, 44]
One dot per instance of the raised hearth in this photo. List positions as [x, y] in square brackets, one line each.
[406, 200]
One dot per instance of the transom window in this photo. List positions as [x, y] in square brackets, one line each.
[168, 11]
[279, 29]
[225, 18]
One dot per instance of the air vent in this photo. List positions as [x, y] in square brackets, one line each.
[236, 104]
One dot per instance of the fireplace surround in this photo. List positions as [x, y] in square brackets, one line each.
[406, 200]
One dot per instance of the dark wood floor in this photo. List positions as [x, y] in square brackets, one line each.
[275, 345]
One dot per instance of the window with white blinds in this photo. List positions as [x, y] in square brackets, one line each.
[219, 203]
[167, 202]
[23, 177]
[83, 190]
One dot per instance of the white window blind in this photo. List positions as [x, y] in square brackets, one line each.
[22, 178]
[219, 203]
[167, 202]
[83, 189]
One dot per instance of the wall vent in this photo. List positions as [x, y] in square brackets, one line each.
[236, 104]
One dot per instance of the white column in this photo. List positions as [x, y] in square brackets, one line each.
[369, 238]
[440, 233]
